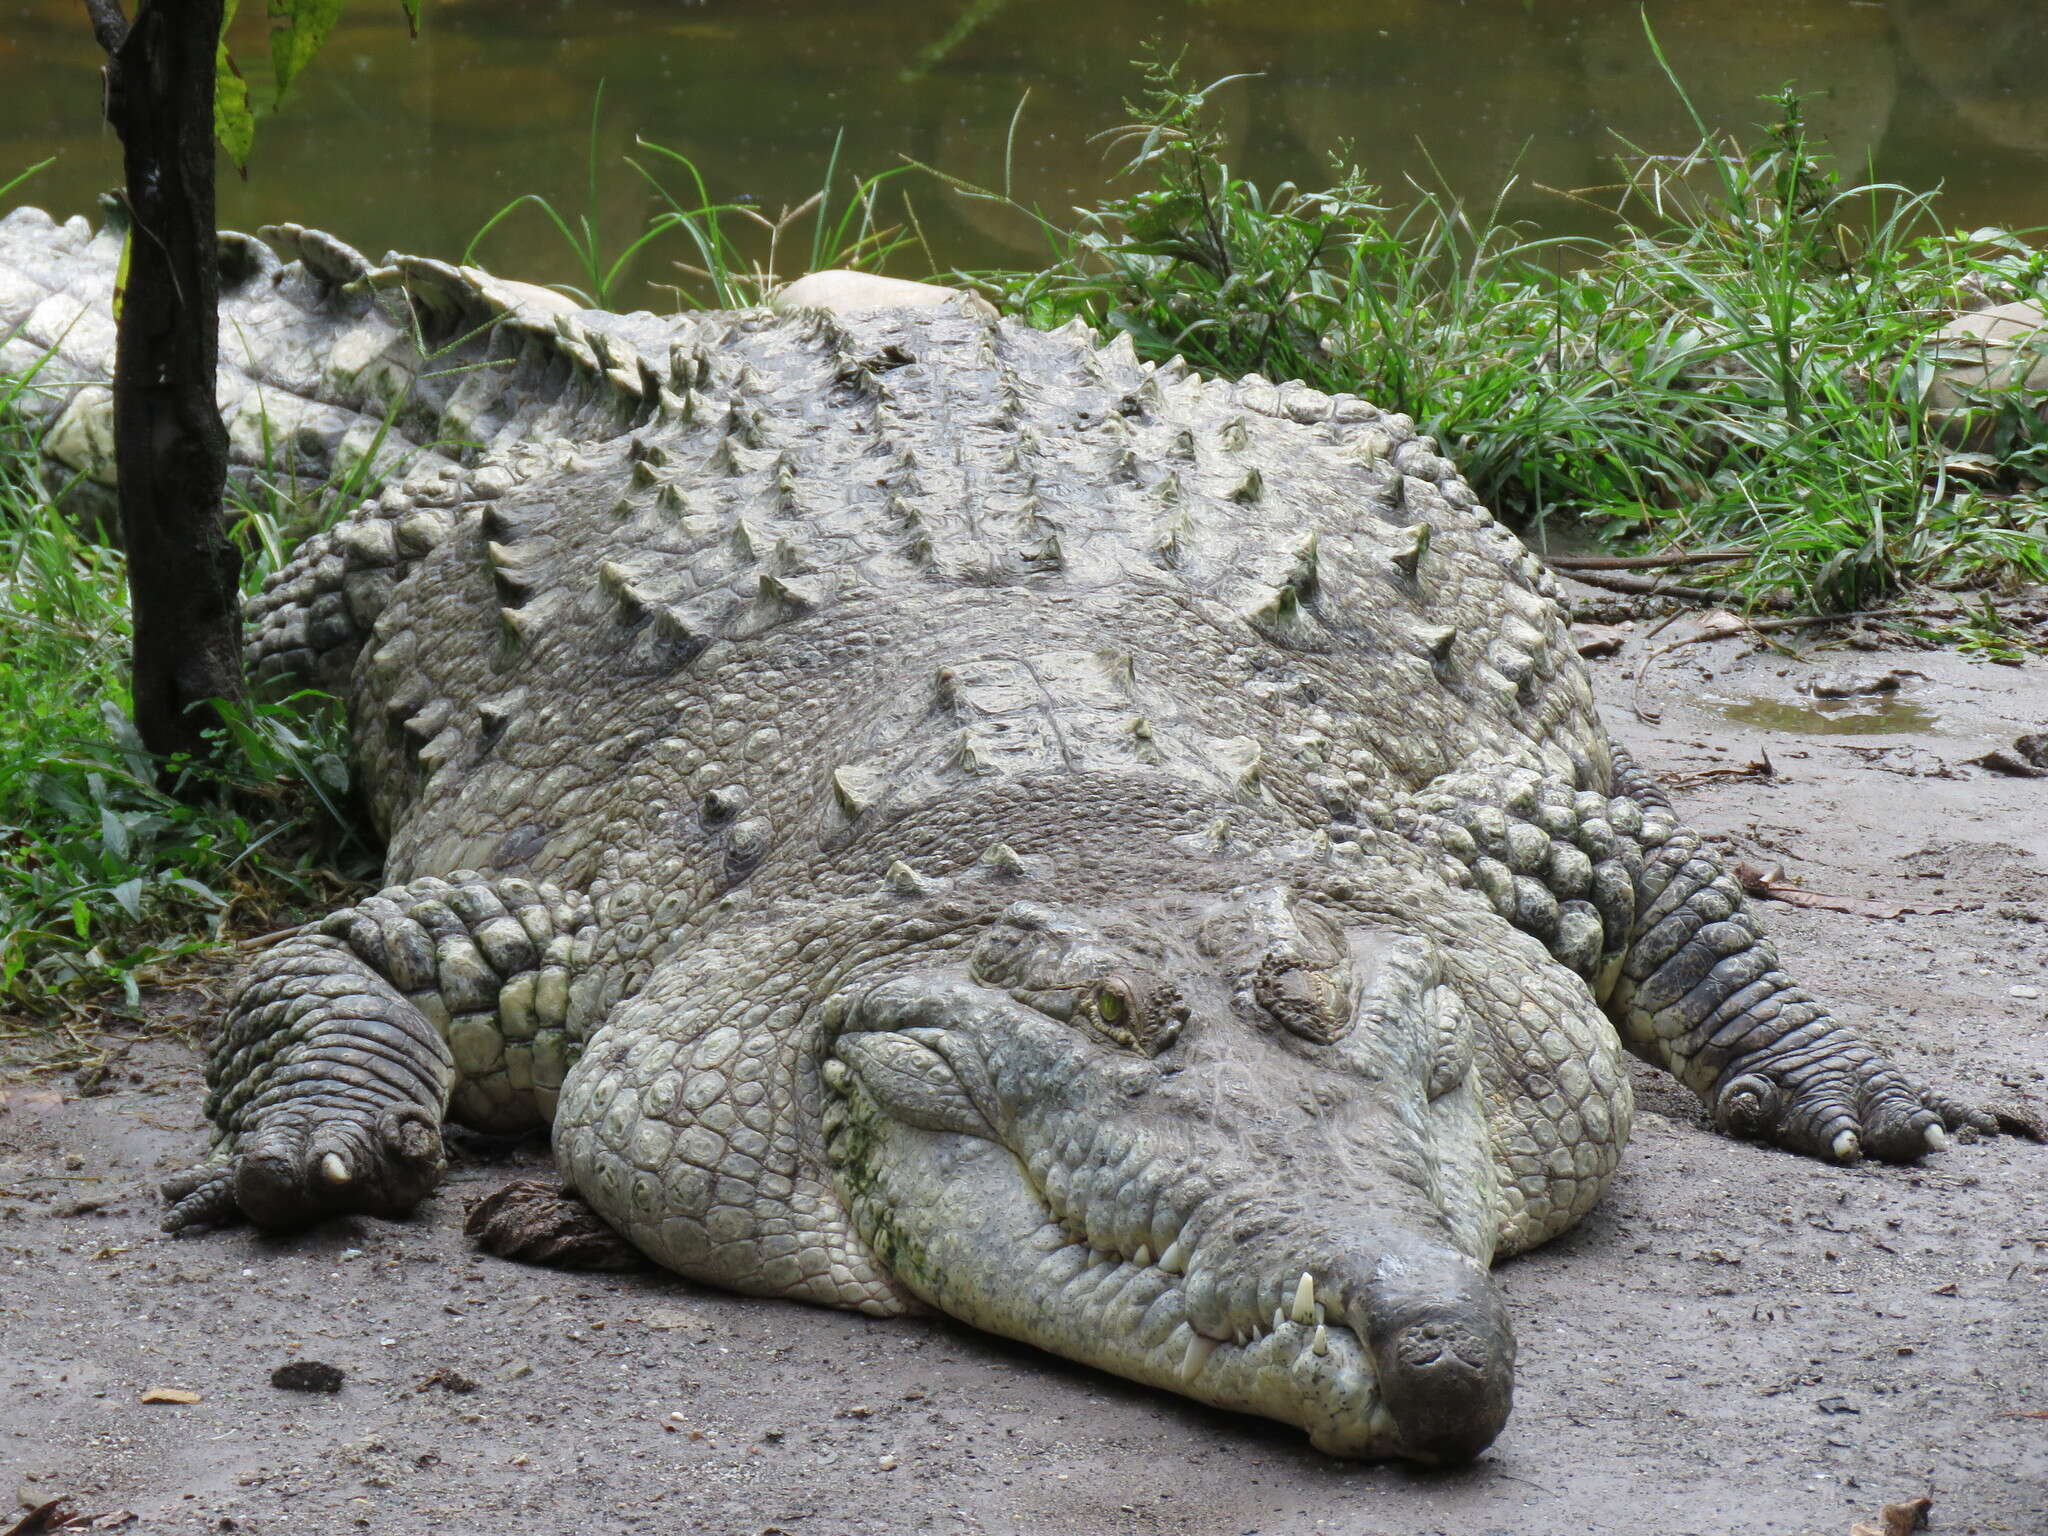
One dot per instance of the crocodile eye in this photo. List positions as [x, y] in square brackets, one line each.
[1111, 1006]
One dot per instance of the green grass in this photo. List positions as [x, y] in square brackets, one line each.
[103, 874]
[1744, 362]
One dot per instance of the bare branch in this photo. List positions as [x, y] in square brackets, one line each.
[109, 25]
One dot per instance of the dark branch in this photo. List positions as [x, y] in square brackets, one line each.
[109, 26]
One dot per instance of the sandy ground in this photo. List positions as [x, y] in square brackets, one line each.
[1738, 1342]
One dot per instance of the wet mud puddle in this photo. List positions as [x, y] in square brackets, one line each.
[1879, 715]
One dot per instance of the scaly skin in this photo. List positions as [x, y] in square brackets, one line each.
[942, 816]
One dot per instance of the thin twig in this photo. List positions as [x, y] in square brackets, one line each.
[1655, 586]
[1577, 563]
[109, 25]
[267, 940]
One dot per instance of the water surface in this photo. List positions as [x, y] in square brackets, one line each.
[393, 143]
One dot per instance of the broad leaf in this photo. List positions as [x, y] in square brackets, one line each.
[412, 16]
[297, 29]
[234, 125]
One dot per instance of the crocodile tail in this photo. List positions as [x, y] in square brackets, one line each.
[333, 369]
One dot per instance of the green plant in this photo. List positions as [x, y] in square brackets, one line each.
[103, 871]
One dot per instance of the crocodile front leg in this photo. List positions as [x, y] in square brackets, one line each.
[1637, 904]
[346, 1046]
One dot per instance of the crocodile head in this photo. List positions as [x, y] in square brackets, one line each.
[1229, 1145]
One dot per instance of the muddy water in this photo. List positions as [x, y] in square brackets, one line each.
[415, 144]
[1887, 715]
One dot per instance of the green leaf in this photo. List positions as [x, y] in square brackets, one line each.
[128, 895]
[234, 125]
[412, 16]
[297, 29]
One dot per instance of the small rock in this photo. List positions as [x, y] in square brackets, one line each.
[887, 1463]
[515, 1370]
[2029, 993]
[307, 1376]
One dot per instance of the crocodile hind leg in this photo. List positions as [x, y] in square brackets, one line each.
[1658, 926]
[348, 1044]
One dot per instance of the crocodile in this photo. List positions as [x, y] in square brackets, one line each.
[939, 815]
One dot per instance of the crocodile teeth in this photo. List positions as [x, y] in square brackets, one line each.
[1846, 1147]
[1305, 1301]
[1174, 1261]
[1238, 1338]
[334, 1170]
[1200, 1348]
[1143, 1256]
[1321, 1343]
[1279, 1320]
[1935, 1137]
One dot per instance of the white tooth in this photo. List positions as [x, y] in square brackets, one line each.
[1305, 1300]
[1279, 1320]
[1322, 1340]
[1144, 1254]
[1096, 1258]
[1200, 1348]
[1846, 1147]
[1237, 1338]
[334, 1170]
[1935, 1137]
[1175, 1259]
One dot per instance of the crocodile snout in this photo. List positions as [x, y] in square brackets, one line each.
[1445, 1362]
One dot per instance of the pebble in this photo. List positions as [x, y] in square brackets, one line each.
[887, 1463]
[2026, 992]
[515, 1370]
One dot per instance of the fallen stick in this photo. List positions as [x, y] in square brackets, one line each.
[1577, 563]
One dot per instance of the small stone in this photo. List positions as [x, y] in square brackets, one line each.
[2028, 993]
[887, 1463]
[515, 1370]
[307, 1376]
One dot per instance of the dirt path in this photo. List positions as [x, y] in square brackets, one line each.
[1738, 1342]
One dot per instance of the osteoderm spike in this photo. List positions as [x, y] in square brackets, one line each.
[1409, 552]
[1003, 859]
[904, 880]
[1305, 1300]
